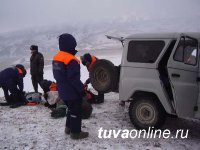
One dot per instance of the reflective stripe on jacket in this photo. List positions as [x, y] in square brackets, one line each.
[65, 57]
[93, 61]
[66, 71]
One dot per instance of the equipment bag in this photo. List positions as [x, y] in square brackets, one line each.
[33, 97]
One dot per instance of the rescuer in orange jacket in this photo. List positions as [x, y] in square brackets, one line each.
[88, 60]
[66, 71]
[11, 80]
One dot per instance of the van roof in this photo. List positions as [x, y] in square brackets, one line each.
[164, 35]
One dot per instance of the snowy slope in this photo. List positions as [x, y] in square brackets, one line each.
[32, 127]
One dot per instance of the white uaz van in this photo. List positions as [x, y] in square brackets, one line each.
[159, 74]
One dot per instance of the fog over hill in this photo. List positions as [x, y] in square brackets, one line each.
[14, 46]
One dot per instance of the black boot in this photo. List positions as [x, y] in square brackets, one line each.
[67, 130]
[100, 98]
[99, 101]
[80, 135]
[18, 104]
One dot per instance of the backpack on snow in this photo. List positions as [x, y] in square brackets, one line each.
[61, 110]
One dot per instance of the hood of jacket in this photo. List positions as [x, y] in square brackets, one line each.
[67, 43]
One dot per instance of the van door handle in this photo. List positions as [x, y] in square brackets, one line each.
[198, 79]
[175, 75]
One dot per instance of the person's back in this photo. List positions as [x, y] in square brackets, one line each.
[11, 80]
[63, 76]
[66, 71]
[8, 74]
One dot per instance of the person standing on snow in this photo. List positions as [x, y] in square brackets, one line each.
[66, 71]
[88, 60]
[11, 80]
[36, 66]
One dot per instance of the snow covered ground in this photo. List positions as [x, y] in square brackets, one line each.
[31, 127]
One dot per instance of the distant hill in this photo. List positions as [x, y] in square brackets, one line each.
[14, 46]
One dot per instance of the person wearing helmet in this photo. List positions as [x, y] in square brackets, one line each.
[36, 66]
[88, 60]
[11, 80]
[66, 71]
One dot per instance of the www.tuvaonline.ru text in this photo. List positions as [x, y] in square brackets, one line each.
[150, 133]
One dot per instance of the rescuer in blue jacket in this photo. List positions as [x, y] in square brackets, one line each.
[88, 60]
[66, 71]
[11, 80]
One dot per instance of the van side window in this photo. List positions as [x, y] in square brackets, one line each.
[144, 51]
[186, 51]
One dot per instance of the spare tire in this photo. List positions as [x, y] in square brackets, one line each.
[104, 76]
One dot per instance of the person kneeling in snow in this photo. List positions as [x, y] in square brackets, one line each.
[11, 80]
[53, 101]
[57, 106]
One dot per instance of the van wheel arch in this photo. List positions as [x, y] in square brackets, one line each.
[138, 94]
[146, 103]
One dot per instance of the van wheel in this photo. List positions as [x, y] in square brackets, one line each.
[145, 112]
[104, 76]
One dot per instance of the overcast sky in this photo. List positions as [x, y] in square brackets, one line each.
[19, 14]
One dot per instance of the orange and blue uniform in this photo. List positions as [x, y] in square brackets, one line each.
[91, 59]
[66, 71]
[11, 79]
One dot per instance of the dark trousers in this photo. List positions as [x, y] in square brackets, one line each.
[73, 120]
[36, 79]
[15, 96]
[100, 97]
